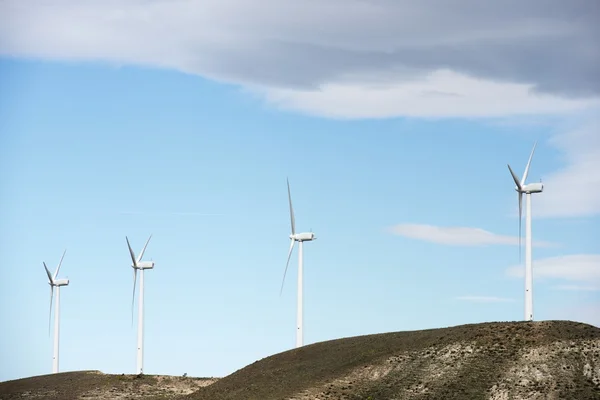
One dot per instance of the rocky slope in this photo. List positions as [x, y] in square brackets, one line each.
[499, 361]
[94, 385]
[520, 360]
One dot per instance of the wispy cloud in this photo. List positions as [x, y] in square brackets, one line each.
[169, 213]
[456, 235]
[578, 288]
[471, 97]
[574, 189]
[485, 299]
[576, 267]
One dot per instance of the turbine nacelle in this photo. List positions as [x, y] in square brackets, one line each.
[537, 187]
[60, 282]
[303, 237]
[144, 265]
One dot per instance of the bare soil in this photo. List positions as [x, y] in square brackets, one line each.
[495, 361]
[515, 360]
[94, 385]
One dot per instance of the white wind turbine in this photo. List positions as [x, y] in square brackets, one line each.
[141, 265]
[300, 238]
[55, 283]
[527, 189]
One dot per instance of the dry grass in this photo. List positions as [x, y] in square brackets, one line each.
[520, 360]
[94, 385]
[499, 361]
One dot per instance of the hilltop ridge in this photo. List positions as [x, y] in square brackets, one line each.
[95, 385]
[498, 360]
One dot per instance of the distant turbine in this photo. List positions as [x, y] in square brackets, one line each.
[300, 238]
[141, 265]
[53, 282]
[528, 189]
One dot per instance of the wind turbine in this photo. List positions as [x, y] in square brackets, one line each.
[300, 238]
[55, 283]
[527, 189]
[138, 264]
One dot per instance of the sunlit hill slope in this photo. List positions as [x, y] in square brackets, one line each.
[513, 360]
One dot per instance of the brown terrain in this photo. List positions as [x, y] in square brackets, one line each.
[94, 385]
[500, 361]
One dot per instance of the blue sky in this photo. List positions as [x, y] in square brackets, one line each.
[91, 151]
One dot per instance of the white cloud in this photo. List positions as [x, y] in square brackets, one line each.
[576, 267]
[485, 299]
[345, 58]
[458, 236]
[573, 190]
[442, 93]
[578, 288]
[355, 59]
[169, 213]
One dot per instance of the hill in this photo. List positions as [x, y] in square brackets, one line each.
[94, 385]
[518, 360]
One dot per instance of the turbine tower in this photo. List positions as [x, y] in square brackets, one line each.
[527, 189]
[138, 264]
[300, 238]
[55, 283]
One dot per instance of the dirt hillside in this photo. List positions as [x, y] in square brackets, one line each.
[498, 361]
[519, 360]
[94, 385]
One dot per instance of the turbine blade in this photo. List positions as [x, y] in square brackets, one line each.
[292, 220]
[528, 164]
[48, 273]
[287, 264]
[59, 264]
[514, 176]
[133, 296]
[131, 253]
[144, 249]
[50, 313]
